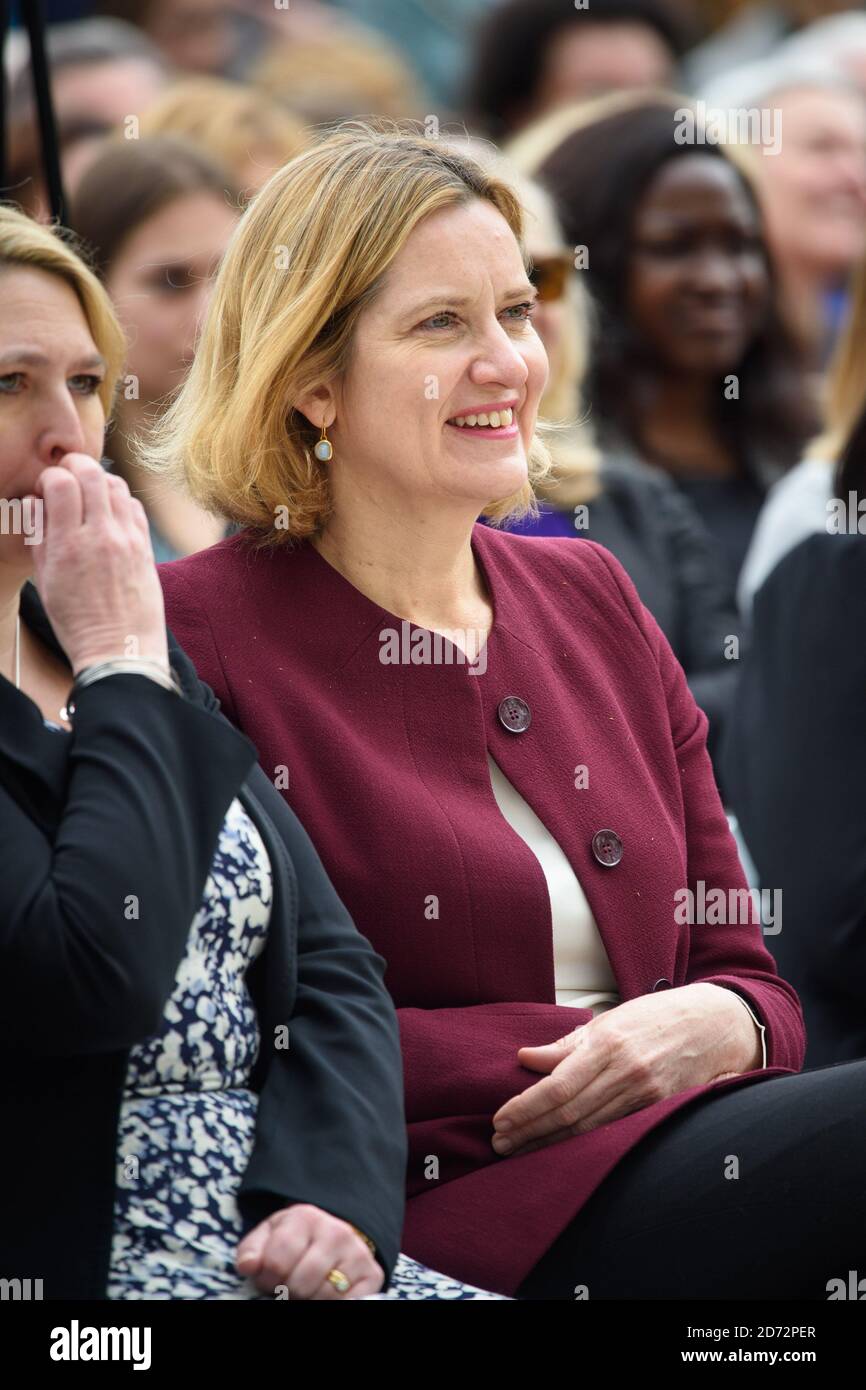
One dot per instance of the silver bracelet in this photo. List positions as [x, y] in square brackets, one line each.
[121, 666]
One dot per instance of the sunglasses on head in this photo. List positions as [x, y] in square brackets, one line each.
[549, 275]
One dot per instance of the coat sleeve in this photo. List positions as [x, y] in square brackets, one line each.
[93, 926]
[331, 1127]
[732, 955]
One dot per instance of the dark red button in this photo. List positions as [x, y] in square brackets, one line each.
[514, 714]
[663, 983]
[607, 847]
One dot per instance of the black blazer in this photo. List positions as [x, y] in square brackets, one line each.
[132, 803]
[661, 542]
[794, 761]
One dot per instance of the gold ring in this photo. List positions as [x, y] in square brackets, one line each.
[339, 1280]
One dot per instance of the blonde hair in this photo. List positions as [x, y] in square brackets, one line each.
[307, 257]
[845, 389]
[326, 77]
[29, 245]
[232, 121]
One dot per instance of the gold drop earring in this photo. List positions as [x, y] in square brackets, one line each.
[324, 449]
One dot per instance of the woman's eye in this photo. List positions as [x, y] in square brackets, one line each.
[517, 312]
[522, 312]
[667, 249]
[173, 278]
[84, 383]
[92, 383]
[435, 322]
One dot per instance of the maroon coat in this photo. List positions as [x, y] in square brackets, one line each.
[386, 769]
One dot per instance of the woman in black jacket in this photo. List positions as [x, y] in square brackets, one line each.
[794, 759]
[200, 1072]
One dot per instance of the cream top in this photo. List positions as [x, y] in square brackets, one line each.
[583, 977]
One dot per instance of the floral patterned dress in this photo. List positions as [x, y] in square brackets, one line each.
[187, 1121]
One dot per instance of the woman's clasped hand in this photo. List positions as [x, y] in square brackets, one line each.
[640, 1052]
[292, 1253]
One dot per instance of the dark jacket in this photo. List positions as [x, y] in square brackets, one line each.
[795, 762]
[643, 519]
[132, 803]
[388, 770]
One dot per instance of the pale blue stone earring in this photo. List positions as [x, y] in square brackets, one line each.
[324, 449]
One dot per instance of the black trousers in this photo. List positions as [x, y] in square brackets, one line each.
[672, 1220]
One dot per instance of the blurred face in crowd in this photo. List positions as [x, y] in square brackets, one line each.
[449, 336]
[194, 35]
[90, 99]
[698, 287]
[105, 92]
[50, 371]
[589, 59]
[160, 282]
[814, 190]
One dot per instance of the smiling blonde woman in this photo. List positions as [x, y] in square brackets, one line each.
[513, 839]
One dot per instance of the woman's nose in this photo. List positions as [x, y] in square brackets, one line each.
[715, 273]
[852, 175]
[499, 358]
[62, 434]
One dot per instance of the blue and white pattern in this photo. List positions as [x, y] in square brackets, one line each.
[412, 1280]
[187, 1120]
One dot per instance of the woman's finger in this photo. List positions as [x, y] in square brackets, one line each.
[119, 498]
[597, 1106]
[62, 500]
[286, 1243]
[575, 1071]
[93, 482]
[139, 516]
[350, 1258]
[576, 1095]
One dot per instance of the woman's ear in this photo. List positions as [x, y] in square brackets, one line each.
[319, 406]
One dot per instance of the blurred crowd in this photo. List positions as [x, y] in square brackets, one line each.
[693, 176]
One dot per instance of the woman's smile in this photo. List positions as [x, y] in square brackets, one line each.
[497, 420]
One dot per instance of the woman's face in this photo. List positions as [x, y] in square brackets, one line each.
[50, 370]
[160, 282]
[698, 288]
[814, 190]
[448, 336]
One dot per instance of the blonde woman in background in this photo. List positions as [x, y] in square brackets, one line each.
[247, 131]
